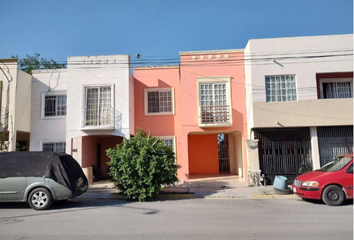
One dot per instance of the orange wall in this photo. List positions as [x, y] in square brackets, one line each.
[185, 120]
[89, 153]
[89, 145]
[232, 67]
[107, 143]
[160, 125]
[203, 154]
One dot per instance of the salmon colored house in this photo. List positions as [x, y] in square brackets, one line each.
[199, 109]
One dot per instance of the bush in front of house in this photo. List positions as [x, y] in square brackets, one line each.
[141, 165]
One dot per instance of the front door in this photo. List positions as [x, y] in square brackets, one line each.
[223, 150]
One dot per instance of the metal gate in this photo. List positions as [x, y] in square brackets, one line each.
[334, 141]
[283, 152]
[223, 151]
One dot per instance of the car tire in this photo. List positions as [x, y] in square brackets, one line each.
[333, 195]
[40, 199]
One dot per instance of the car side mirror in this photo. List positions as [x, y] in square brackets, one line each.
[350, 170]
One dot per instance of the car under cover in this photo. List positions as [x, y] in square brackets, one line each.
[60, 167]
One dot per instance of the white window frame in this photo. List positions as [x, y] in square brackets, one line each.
[281, 75]
[173, 138]
[332, 80]
[84, 104]
[55, 93]
[215, 79]
[41, 142]
[147, 90]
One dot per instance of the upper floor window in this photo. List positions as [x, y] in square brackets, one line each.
[54, 104]
[281, 88]
[98, 106]
[336, 88]
[54, 146]
[214, 101]
[159, 101]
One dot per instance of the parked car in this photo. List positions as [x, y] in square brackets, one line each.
[40, 178]
[333, 183]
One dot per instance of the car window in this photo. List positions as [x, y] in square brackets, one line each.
[350, 169]
[338, 164]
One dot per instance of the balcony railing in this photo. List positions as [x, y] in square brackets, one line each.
[107, 119]
[215, 115]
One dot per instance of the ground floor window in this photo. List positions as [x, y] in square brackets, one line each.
[54, 147]
[169, 141]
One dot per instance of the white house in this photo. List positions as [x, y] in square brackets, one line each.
[15, 105]
[84, 109]
[299, 97]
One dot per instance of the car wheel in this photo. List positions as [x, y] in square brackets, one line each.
[333, 195]
[40, 199]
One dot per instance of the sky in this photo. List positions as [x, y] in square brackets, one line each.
[159, 28]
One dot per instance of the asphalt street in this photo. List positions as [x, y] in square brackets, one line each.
[179, 219]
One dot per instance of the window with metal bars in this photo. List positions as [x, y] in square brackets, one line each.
[214, 102]
[281, 88]
[337, 89]
[98, 110]
[54, 105]
[54, 147]
[159, 101]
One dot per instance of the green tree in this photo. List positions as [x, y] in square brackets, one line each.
[141, 166]
[30, 63]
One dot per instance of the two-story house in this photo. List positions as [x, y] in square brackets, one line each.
[84, 109]
[198, 108]
[15, 105]
[299, 96]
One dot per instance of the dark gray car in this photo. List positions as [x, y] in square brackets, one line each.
[40, 178]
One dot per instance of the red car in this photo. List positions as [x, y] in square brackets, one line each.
[333, 183]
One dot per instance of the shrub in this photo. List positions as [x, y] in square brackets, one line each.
[141, 165]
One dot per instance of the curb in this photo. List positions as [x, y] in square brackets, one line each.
[160, 197]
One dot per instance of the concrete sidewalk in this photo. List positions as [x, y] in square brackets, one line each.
[197, 189]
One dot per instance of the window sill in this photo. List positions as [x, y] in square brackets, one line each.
[97, 128]
[160, 114]
[207, 125]
[53, 117]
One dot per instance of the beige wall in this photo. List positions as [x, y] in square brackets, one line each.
[318, 112]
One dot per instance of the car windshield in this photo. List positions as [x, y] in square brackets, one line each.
[337, 164]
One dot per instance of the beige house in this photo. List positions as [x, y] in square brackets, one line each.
[15, 105]
[299, 96]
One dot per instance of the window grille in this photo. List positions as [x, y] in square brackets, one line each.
[54, 147]
[54, 105]
[159, 101]
[337, 90]
[281, 88]
[213, 102]
[168, 142]
[98, 106]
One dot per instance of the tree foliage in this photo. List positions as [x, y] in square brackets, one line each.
[30, 63]
[141, 166]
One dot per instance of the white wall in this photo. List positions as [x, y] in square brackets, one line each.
[304, 69]
[46, 129]
[98, 71]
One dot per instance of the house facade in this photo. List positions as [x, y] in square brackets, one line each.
[84, 109]
[198, 108]
[299, 97]
[15, 105]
